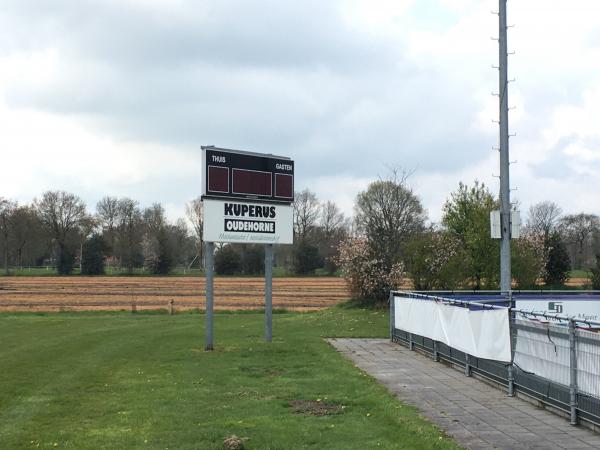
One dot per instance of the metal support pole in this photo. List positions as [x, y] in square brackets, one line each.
[411, 344]
[505, 270]
[573, 371]
[392, 321]
[467, 366]
[268, 292]
[436, 355]
[210, 246]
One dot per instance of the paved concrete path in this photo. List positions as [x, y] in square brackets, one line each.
[475, 414]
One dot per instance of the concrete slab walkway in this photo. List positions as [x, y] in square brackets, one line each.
[475, 414]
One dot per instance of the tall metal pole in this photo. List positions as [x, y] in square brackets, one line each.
[505, 271]
[209, 295]
[268, 292]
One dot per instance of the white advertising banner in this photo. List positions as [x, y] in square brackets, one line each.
[484, 333]
[543, 349]
[544, 355]
[563, 306]
[246, 222]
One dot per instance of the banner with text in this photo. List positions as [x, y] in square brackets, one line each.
[248, 223]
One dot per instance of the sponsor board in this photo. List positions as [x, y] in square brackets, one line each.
[246, 222]
[579, 309]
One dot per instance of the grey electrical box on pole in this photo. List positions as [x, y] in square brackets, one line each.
[505, 270]
[496, 227]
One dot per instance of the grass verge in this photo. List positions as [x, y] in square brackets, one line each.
[80, 380]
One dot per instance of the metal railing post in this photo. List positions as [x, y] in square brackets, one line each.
[392, 319]
[436, 356]
[511, 380]
[467, 366]
[512, 333]
[411, 344]
[573, 371]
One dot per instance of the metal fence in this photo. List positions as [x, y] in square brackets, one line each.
[555, 359]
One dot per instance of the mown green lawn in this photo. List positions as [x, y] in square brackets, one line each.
[579, 273]
[117, 380]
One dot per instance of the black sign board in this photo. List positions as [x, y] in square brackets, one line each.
[246, 175]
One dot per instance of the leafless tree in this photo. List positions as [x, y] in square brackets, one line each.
[332, 219]
[129, 232]
[107, 213]
[389, 213]
[578, 231]
[7, 209]
[306, 213]
[195, 214]
[60, 212]
[26, 231]
[332, 230]
[155, 219]
[85, 228]
[543, 218]
[158, 247]
[184, 243]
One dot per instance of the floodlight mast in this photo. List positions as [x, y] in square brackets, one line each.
[505, 269]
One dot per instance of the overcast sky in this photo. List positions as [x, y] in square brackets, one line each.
[116, 97]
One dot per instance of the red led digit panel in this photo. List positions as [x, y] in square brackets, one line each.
[251, 182]
[218, 179]
[284, 185]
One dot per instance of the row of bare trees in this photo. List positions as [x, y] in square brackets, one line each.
[319, 227]
[579, 232]
[56, 228]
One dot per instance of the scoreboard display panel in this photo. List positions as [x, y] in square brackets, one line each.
[246, 175]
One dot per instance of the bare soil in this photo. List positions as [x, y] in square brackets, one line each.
[315, 407]
[119, 293]
[577, 282]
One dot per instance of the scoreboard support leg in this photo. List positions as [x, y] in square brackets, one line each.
[268, 292]
[210, 246]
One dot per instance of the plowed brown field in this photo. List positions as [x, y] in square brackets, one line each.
[116, 293]
[578, 282]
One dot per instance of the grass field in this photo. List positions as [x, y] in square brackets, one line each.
[121, 380]
[579, 274]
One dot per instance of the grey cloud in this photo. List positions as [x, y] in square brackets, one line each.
[553, 166]
[557, 165]
[288, 78]
[229, 32]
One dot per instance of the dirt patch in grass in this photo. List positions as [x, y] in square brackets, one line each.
[315, 408]
[234, 443]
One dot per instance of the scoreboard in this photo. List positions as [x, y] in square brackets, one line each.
[246, 199]
[246, 175]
